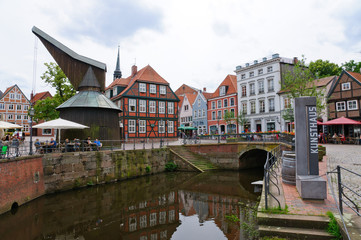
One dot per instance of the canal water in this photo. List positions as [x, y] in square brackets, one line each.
[163, 206]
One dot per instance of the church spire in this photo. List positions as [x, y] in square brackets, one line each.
[117, 72]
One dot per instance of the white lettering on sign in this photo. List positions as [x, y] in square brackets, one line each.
[312, 129]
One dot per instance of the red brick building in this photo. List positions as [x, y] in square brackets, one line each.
[34, 99]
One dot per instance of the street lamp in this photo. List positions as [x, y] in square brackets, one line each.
[31, 113]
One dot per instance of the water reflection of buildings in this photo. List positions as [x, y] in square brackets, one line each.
[151, 220]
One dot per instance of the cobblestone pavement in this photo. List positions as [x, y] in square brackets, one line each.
[349, 157]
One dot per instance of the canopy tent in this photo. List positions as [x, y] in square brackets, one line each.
[7, 125]
[187, 128]
[60, 124]
[342, 121]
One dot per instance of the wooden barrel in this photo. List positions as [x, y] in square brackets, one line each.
[289, 168]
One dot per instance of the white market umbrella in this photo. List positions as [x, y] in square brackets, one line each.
[60, 124]
[7, 125]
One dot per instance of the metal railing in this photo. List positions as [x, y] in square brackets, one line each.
[271, 175]
[347, 193]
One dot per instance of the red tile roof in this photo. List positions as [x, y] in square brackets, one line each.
[8, 89]
[356, 75]
[181, 98]
[40, 96]
[231, 82]
[207, 95]
[119, 81]
[184, 89]
[191, 98]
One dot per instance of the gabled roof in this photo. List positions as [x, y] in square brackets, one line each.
[1, 93]
[40, 96]
[207, 95]
[181, 98]
[191, 98]
[355, 76]
[119, 82]
[10, 88]
[146, 74]
[231, 82]
[184, 89]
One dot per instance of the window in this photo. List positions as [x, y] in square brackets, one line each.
[340, 106]
[26, 128]
[18, 117]
[2, 106]
[232, 111]
[143, 221]
[132, 224]
[260, 87]
[170, 127]
[244, 107]
[26, 107]
[270, 85]
[153, 219]
[260, 71]
[199, 113]
[162, 107]
[243, 76]
[152, 88]
[261, 106]
[132, 126]
[142, 87]
[46, 131]
[287, 103]
[222, 91]
[170, 107]
[251, 74]
[10, 117]
[244, 91]
[204, 112]
[162, 217]
[253, 107]
[219, 104]
[219, 115]
[1, 116]
[270, 69]
[352, 105]
[232, 102]
[213, 115]
[142, 105]
[26, 117]
[132, 105]
[18, 96]
[225, 103]
[186, 107]
[11, 107]
[346, 86]
[271, 104]
[213, 105]
[142, 126]
[195, 113]
[161, 125]
[152, 106]
[12, 95]
[162, 90]
[252, 89]
[18, 107]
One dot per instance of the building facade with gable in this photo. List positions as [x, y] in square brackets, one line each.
[14, 107]
[200, 107]
[33, 100]
[186, 110]
[149, 106]
[258, 84]
[222, 100]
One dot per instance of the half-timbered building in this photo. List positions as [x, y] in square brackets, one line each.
[150, 107]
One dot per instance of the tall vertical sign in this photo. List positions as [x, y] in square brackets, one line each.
[308, 182]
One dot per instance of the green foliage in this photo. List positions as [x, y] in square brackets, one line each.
[352, 66]
[299, 82]
[55, 77]
[171, 167]
[276, 210]
[147, 169]
[242, 120]
[288, 114]
[232, 218]
[333, 227]
[272, 238]
[324, 68]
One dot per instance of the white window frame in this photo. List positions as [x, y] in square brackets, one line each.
[161, 107]
[260, 71]
[262, 106]
[46, 132]
[161, 126]
[270, 109]
[352, 105]
[253, 107]
[18, 117]
[10, 117]
[340, 106]
[142, 87]
[213, 115]
[142, 106]
[204, 113]
[132, 125]
[199, 102]
[12, 95]
[18, 96]
[195, 114]
[26, 107]
[199, 113]
[346, 86]
[261, 86]
[2, 106]
[243, 76]
[252, 88]
[11, 106]
[132, 103]
[271, 87]
[251, 74]
[152, 88]
[222, 91]
[270, 69]
[244, 90]
[162, 90]
[244, 107]
[170, 126]
[219, 104]
[170, 107]
[142, 126]
[214, 105]
[26, 117]
[152, 106]
[231, 103]
[225, 102]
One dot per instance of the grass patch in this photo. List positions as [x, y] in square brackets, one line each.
[333, 227]
[276, 210]
[272, 238]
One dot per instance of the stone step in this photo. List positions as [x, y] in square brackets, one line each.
[297, 221]
[193, 158]
[294, 233]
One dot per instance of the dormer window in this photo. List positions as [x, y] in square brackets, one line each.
[142, 87]
[346, 86]
[222, 91]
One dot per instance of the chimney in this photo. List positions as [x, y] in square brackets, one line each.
[204, 89]
[31, 97]
[295, 60]
[134, 70]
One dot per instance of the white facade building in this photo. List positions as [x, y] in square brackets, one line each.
[258, 84]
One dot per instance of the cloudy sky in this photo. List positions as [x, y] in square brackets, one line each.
[196, 42]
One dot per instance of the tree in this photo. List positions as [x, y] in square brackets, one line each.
[229, 118]
[324, 68]
[299, 82]
[46, 109]
[352, 66]
[242, 120]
